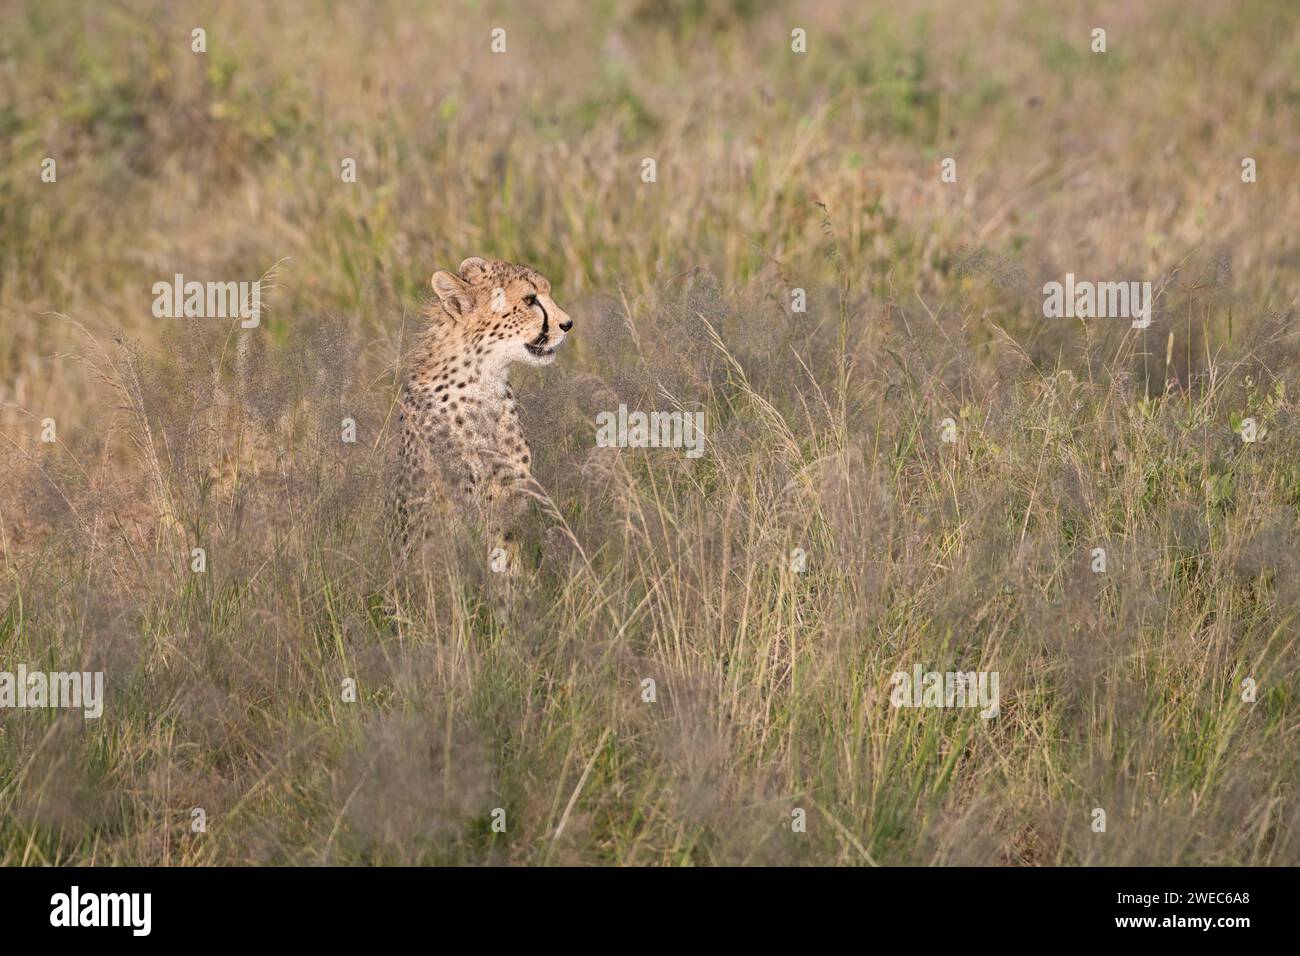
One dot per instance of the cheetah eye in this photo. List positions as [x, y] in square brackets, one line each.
[530, 300]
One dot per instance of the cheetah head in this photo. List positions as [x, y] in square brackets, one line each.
[504, 311]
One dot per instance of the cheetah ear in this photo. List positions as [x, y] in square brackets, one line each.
[473, 269]
[452, 292]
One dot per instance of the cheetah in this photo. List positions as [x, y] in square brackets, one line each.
[461, 443]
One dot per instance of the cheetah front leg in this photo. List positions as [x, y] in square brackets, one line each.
[502, 523]
[506, 507]
[505, 491]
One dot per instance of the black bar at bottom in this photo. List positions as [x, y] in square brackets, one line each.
[335, 906]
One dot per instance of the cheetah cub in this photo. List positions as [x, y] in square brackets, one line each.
[462, 446]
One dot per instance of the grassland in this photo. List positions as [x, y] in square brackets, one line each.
[1121, 691]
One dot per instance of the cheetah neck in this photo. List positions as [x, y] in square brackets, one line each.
[453, 358]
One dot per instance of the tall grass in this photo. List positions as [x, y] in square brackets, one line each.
[525, 702]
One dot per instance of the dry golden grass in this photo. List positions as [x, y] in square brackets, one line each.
[1120, 691]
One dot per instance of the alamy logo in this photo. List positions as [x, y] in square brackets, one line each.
[1098, 300]
[81, 690]
[626, 429]
[951, 689]
[208, 300]
[103, 909]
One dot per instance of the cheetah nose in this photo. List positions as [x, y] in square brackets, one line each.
[566, 325]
